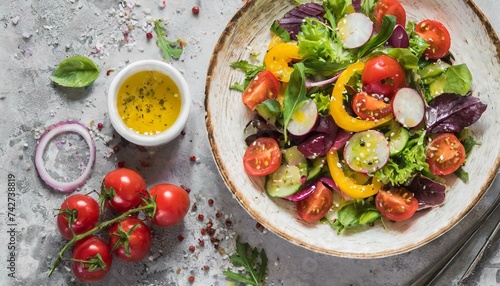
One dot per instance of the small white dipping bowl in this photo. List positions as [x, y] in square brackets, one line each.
[145, 139]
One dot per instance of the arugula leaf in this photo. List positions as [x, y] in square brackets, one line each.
[281, 32]
[335, 10]
[254, 262]
[76, 71]
[295, 94]
[168, 48]
[388, 24]
[250, 71]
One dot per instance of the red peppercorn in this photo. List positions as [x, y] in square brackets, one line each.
[218, 214]
[201, 217]
[206, 267]
[180, 237]
[149, 35]
[210, 202]
[99, 126]
[116, 148]
[192, 158]
[121, 164]
[203, 231]
[191, 278]
[196, 10]
[192, 248]
[183, 132]
[228, 223]
[201, 242]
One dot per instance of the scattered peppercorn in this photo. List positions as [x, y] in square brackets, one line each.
[196, 10]
[192, 248]
[201, 217]
[180, 237]
[210, 202]
[183, 132]
[149, 35]
[259, 226]
[206, 267]
[116, 148]
[228, 223]
[203, 231]
[201, 242]
[218, 214]
[191, 278]
[99, 126]
[121, 164]
[192, 158]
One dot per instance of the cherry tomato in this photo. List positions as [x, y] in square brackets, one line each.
[389, 7]
[97, 256]
[368, 107]
[383, 75]
[83, 213]
[262, 157]
[172, 204]
[316, 205]
[437, 36]
[445, 154]
[130, 239]
[263, 86]
[396, 204]
[123, 189]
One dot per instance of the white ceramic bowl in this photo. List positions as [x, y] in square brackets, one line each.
[143, 139]
[473, 42]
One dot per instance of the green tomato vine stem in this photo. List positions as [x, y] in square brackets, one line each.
[100, 226]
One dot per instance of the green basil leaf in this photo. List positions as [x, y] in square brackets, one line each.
[388, 24]
[280, 32]
[76, 71]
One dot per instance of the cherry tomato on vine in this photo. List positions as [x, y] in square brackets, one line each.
[445, 154]
[91, 259]
[123, 189]
[130, 239]
[368, 107]
[79, 211]
[172, 204]
[389, 7]
[383, 75]
[262, 157]
[316, 205]
[437, 36]
[396, 204]
[263, 86]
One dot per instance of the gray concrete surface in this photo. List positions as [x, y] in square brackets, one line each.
[35, 37]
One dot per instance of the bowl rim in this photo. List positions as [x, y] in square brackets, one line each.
[162, 137]
[226, 36]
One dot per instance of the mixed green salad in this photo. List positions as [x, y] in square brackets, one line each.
[359, 113]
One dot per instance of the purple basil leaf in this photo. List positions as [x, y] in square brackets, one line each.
[428, 193]
[260, 128]
[451, 112]
[294, 18]
[356, 4]
[320, 140]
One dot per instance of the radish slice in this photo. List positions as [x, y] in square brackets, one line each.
[367, 151]
[50, 133]
[303, 119]
[354, 30]
[408, 107]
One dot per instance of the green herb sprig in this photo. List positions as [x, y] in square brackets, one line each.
[254, 262]
[168, 48]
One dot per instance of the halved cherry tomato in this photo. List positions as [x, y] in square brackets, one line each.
[368, 107]
[437, 36]
[315, 206]
[262, 157]
[445, 154]
[383, 75]
[389, 7]
[279, 57]
[263, 86]
[396, 204]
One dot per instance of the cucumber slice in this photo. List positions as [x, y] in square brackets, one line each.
[366, 151]
[294, 157]
[283, 182]
[269, 110]
[316, 168]
[397, 136]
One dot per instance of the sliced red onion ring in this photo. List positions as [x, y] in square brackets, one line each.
[51, 132]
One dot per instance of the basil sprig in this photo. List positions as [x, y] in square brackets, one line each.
[76, 71]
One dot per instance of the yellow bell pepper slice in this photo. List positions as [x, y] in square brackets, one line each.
[347, 184]
[278, 57]
[337, 110]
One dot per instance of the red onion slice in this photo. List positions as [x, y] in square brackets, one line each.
[51, 132]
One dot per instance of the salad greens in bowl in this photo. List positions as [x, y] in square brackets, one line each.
[356, 128]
